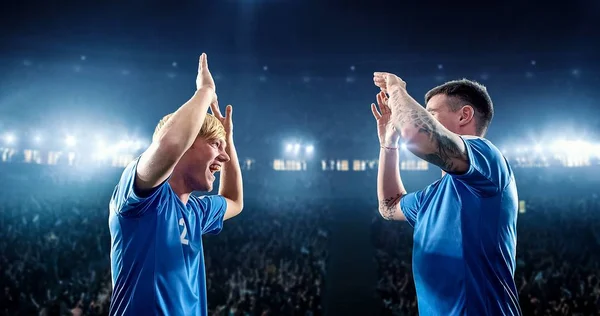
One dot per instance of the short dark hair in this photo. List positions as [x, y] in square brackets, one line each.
[471, 93]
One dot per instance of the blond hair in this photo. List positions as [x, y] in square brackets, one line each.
[211, 128]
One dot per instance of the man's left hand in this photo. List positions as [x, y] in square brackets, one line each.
[225, 120]
[388, 82]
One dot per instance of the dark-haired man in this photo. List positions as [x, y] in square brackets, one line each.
[464, 223]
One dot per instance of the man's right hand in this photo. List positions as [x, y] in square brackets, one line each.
[204, 80]
[388, 135]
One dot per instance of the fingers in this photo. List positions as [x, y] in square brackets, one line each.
[214, 107]
[376, 113]
[380, 78]
[380, 82]
[228, 111]
[384, 97]
[385, 79]
[382, 101]
[203, 64]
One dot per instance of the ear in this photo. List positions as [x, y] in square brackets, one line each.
[467, 113]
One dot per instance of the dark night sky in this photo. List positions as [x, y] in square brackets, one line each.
[495, 42]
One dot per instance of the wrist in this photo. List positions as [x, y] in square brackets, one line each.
[395, 88]
[388, 147]
[206, 91]
[229, 139]
[389, 143]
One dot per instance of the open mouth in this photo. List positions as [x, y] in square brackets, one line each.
[214, 168]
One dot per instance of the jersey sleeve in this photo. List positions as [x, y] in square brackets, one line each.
[213, 209]
[126, 202]
[410, 205]
[488, 170]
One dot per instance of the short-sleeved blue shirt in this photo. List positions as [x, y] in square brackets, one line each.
[465, 235]
[157, 261]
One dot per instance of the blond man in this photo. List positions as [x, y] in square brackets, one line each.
[156, 224]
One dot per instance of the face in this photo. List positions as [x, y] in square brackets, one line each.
[201, 162]
[440, 106]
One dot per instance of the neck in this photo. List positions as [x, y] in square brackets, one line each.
[468, 131]
[180, 188]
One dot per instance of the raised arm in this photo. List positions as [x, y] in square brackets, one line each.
[389, 185]
[178, 134]
[231, 185]
[424, 135]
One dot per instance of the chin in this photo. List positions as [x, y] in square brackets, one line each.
[206, 185]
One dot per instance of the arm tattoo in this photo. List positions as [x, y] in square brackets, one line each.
[411, 114]
[387, 207]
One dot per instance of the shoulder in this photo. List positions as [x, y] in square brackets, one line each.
[481, 152]
[206, 202]
[489, 170]
[127, 201]
[480, 143]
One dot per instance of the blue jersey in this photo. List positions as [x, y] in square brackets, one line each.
[157, 262]
[465, 235]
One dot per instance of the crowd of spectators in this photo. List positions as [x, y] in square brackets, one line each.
[270, 260]
[55, 246]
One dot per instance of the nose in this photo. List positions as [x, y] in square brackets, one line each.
[224, 157]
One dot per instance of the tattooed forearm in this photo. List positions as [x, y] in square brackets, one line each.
[408, 113]
[388, 207]
[440, 149]
[447, 152]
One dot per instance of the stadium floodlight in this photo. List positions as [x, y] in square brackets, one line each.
[123, 144]
[289, 147]
[596, 150]
[138, 145]
[9, 138]
[296, 148]
[103, 149]
[558, 146]
[70, 141]
[100, 144]
[37, 139]
[538, 148]
[309, 149]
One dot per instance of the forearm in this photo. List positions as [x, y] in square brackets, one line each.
[174, 139]
[231, 185]
[409, 117]
[389, 184]
[183, 127]
[424, 136]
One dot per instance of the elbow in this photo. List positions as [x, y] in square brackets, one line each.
[416, 141]
[238, 206]
[384, 214]
[409, 135]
